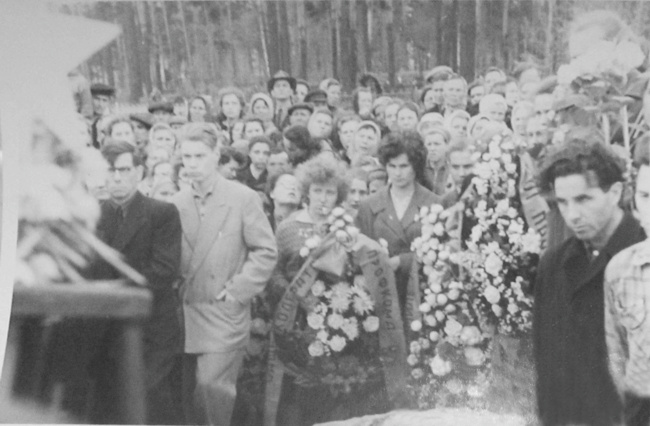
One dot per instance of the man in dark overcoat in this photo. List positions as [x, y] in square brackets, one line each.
[573, 383]
[148, 234]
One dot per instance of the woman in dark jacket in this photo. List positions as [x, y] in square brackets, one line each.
[390, 214]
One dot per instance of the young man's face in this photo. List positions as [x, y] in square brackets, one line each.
[259, 155]
[301, 92]
[101, 103]
[299, 117]
[642, 198]
[281, 90]
[476, 94]
[141, 132]
[277, 163]
[123, 178]
[357, 193]
[252, 129]
[454, 92]
[199, 161]
[461, 165]
[365, 103]
[334, 95]
[587, 209]
[436, 147]
[437, 88]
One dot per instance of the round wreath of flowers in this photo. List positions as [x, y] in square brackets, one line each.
[448, 350]
[341, 224]
[502, 251]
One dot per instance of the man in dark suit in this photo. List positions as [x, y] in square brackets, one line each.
[573, 382]
[148, 234]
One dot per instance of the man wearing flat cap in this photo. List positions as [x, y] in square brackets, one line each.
[299, 114]
[161, 111]
[281, 87]
[317, 97]
[103, 96]
[142, 123]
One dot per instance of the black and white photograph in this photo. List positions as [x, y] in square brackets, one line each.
[325, 212]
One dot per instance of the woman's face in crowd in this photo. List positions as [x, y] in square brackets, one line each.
[520, 120]
[390, 115]
[260, 108]
[287, 190]
[252, 129]
[301, 92]
[197, 111]
[164, 139]
[237, 131]
[230, 106]
[496, 112]
[163, 171]
[259, 155]
[429, 100]
[366, 141]
[436, 147]
[407, 119]
[334, 95]
[478, 128]
[320, 125]
[181, 109]
[346, 133]
[458, 128]
[123, 132]
[155, 156]
[400, 171]
[476, 94]
[512, 93]
[365, 103]
[322, 198]
[438, 88]
[358, 192]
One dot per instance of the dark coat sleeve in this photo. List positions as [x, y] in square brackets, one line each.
[164, 266]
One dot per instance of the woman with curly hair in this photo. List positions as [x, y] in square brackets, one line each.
[324, 183]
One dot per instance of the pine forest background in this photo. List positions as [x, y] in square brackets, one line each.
[190, 47]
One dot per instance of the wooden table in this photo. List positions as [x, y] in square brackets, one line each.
[114, 300]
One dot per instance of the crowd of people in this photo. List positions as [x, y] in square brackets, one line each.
[213, 201]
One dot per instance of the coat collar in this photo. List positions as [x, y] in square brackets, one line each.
[132, 222]
[575, 260]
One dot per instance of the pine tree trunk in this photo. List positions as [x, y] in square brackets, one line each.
[390, 35]
[302, 35]
[365, 15]
[186, 38]
[467, 38]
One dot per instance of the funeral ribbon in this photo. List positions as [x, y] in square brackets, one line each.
[380, 281]
[534, 206]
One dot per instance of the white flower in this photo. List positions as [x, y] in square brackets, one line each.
[352, 231]
[339, 223]
[339, 302]
[312, 242]
[316, 349]
[338, 212]
[318, 288]
[437, 208]
[304, 252]
[453, 294]
[441, 299]
[493, 265]
[415, 347]
[337, 343]
[434, 336]
[416, 326]
[502, 207]
[439, 366]
[425, 307]
[513, 308]
[315, 321]
[323, 336]
[498, 311]
[371, 324]
[435, 287]
[362, 304]
[341, 289]
[454, 386]
[341, 236]
[425, 343]
[470, 335]
[412, 360]
[474, 356]
[430, 320]
[491, 294]
[335, 321]
[511, 168]
[440, 316]
[474, 391]
[453, 328]
[439, 229]
[531, 242]
[351, 328]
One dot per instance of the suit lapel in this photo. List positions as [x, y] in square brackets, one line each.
[210, 228]
[189, 217]
[413, 208]
[135, 217]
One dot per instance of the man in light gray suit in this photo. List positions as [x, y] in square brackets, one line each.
[228, 255]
